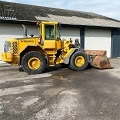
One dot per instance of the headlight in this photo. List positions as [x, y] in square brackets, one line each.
[7, 46]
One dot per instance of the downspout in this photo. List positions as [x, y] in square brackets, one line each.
[82, 36]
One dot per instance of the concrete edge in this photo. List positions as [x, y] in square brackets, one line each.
[1, 62]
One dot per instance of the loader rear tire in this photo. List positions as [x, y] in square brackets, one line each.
[78, 61]
[33, 63]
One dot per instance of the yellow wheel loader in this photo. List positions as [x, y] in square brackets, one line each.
[33, 54]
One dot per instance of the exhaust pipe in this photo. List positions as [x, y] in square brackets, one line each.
[25, 30]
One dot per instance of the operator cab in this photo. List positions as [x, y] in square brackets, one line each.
[49, 30]
[50, 34]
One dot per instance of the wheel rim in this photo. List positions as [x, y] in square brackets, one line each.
[79, 61]
[34, 63]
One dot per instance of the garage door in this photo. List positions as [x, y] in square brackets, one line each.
[8, 31]
[98, 39]
[67, 33]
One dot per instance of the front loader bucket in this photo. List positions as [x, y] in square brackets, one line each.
[98, 59]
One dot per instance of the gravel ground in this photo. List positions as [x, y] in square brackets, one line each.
[60, 94]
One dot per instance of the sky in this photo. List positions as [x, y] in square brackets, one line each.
[109, 8]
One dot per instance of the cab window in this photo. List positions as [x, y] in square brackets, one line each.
[57, 33]
[49, 32]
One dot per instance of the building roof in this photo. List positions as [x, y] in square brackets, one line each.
[24, 12]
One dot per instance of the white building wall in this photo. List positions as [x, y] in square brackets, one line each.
[8, 31]
[98, 39]
[73, 33]
[95, 39]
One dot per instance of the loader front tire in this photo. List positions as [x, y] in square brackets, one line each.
[78, 61]
[33, 63]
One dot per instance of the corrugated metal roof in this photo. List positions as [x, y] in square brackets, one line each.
[81, 21]
[24, 12]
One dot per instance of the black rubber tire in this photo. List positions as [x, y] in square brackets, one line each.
[29, 55]
[72, 64]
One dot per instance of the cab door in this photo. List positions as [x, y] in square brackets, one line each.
[49, 36]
